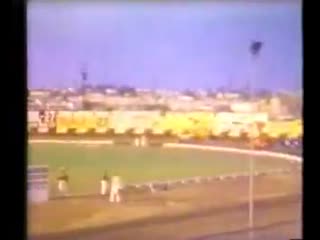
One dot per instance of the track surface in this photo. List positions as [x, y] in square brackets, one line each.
[203, 225]
[279, 231]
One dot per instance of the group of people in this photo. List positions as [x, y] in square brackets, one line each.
[111, 186]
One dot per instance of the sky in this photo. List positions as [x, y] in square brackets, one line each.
[165, 45]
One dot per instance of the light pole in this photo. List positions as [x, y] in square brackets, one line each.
[255, 49]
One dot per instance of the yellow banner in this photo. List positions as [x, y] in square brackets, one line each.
[290, 128]
[102, 121]
[142, 121]
[139, 121]
[177, 122]
[120, 121]
[199, 123]
[158, 125]
[80, 121]
[63, 121]
[83, 121]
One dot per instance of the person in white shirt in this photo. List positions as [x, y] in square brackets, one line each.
[63, 180]
[116, 185]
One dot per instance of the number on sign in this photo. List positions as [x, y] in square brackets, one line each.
[102, 122]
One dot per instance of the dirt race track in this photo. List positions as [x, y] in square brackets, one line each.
[278, 231]
[195, 212]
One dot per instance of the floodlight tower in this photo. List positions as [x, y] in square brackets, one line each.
[254, 49]
[83, 83]
[84, 76]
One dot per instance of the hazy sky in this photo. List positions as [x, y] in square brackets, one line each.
[177, 46]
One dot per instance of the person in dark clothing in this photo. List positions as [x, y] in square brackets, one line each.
[104, 184]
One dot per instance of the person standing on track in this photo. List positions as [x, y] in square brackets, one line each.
[63, 180]
[116, 185]
[104, 184]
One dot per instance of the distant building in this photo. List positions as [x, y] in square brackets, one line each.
[94, 97]
[244, 107]
[228, 95]
[276, 108]
[39, 93]
[231, 95]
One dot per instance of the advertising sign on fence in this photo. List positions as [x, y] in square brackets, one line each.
[143, 120]
[196, 124]
[121, 121]
[81, 121]
[33, 120]
[102, 122]
[158, 125]
[178, 122]
[63, 122]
